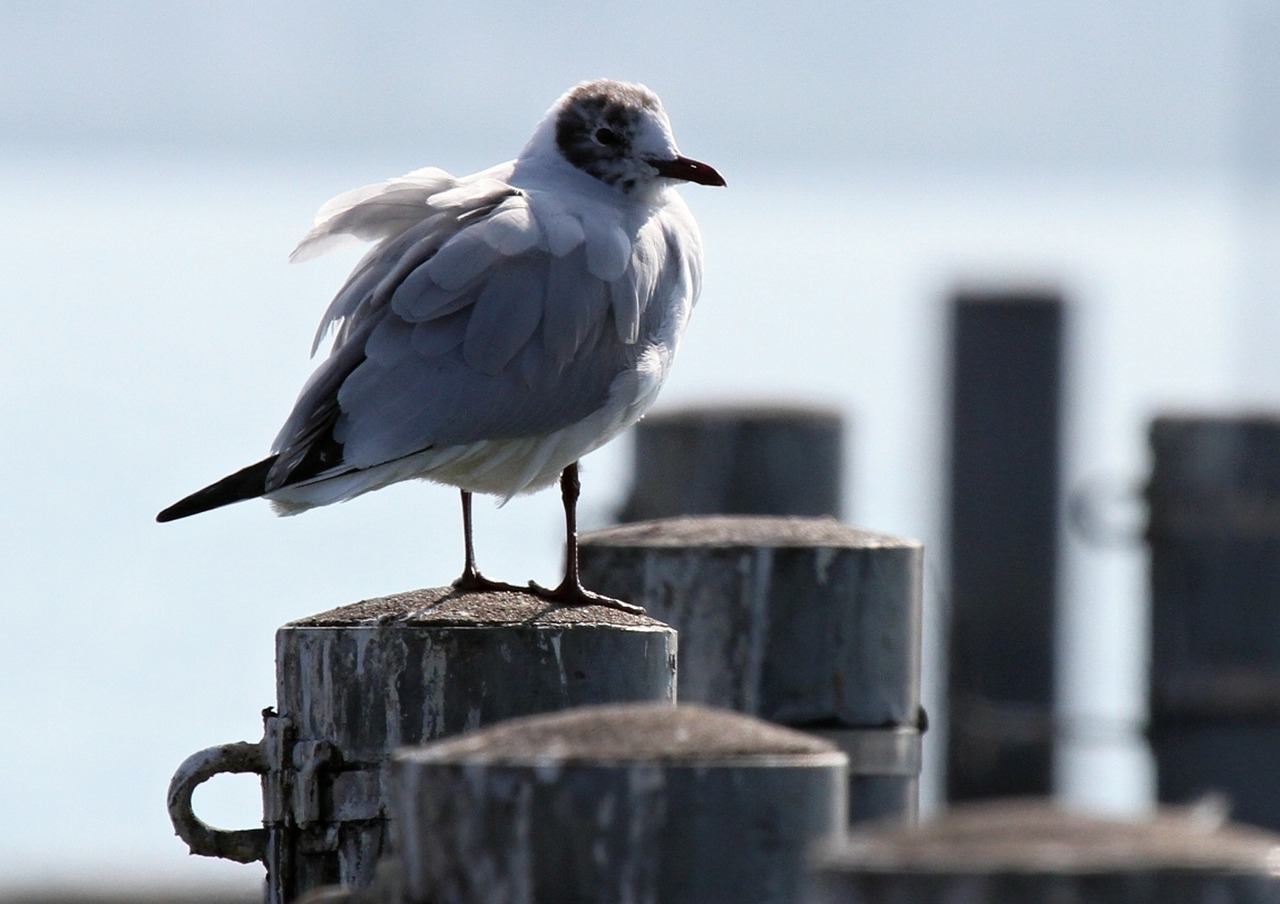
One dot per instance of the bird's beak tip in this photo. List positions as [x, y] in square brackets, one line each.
[687, 169]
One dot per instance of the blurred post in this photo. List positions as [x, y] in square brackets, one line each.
[737, 460]
[1006, 372]
[1030, 853]
[1214, 536]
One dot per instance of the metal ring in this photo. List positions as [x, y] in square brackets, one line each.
[240, 845]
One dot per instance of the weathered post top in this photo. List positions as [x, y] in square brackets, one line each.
[447, 607]
[616, 803]
[416, 666]
[797, 620]
[746, 532]
[628, 733]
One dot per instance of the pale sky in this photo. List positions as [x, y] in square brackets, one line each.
[1092, 83]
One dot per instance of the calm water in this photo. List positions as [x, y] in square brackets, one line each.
[156, 337]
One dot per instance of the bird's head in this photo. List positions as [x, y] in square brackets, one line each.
[618, 133]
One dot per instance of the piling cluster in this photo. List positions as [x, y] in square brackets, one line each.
[753, 738]
[441, 746]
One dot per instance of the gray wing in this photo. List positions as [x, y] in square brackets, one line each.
[498, 313]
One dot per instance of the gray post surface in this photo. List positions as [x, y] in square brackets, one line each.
[803, 621]
[737, 460]
[357, 682]
[1214, 536]
[615, 804]
[1027, 852]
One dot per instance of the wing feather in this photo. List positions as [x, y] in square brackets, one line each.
[405, 215]
[625, 304]
[440, 336]
[534, 372]
[385, 265]
[575, 301]
[419, 299]
[373, 212]
[630, 294]
[511, 228]
[472, 192]
[561, 230]
[390, 411]
[608, 248]
[648, 261]
[506, 313]
[461, 259]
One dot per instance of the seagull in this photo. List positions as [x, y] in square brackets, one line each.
[504, 324]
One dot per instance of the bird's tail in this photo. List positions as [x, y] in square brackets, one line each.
[247, 483]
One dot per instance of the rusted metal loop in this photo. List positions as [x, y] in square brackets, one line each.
[240, 845]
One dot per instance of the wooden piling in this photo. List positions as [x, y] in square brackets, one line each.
[357, 682]
[803, 621]
[617, 803]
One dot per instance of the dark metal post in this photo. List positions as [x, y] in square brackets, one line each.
[355, 683]
[803, 621]
[1214, 536]
[1005, 400]
[737, 460]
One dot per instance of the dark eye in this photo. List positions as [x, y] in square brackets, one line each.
[607, 137]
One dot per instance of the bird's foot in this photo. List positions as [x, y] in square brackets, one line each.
[473, 581]
[572, 593]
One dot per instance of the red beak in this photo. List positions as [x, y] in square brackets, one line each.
[687, 170]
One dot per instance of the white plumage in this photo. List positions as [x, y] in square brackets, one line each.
[504, 324]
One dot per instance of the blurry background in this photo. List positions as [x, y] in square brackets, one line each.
[158, 161]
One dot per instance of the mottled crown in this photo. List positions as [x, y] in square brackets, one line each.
[601, 126]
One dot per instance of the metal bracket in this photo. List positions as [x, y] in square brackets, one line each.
[877, 751]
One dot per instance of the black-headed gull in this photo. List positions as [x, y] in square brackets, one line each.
[504, 325]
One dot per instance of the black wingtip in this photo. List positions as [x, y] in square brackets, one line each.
[247, 483]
